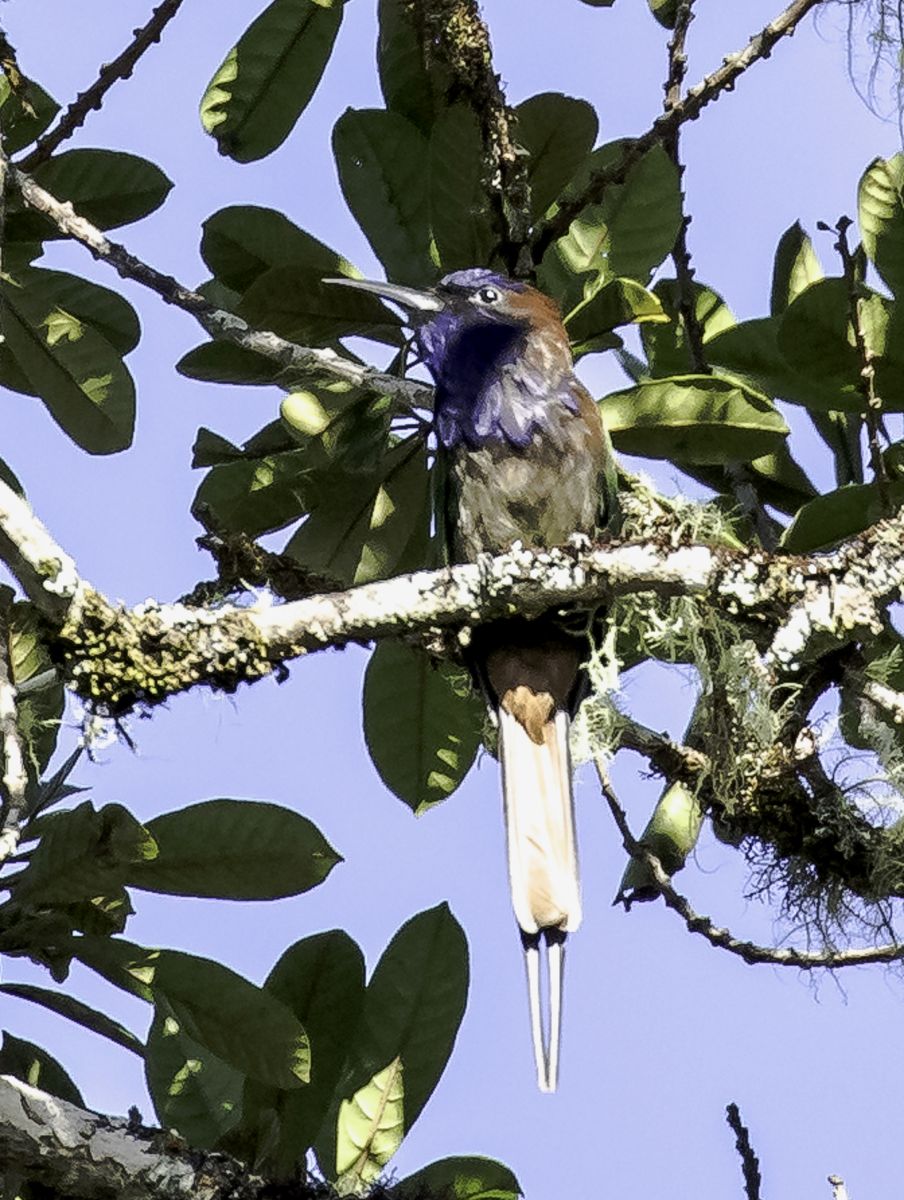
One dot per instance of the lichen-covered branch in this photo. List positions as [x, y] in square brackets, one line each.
[688, 108]
[724, 939]
[299, 363]
[87, 1156]
[92, 98]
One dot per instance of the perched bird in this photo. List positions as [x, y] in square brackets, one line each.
[525, 459]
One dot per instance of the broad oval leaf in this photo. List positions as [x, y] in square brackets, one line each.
[619, 302]
[413, 83]
[671, 834]
[321, 980]
[75, 1010]
[241, 242]
[234, 850]
[665, 344]
[28, 1062]
[123, 963]
[459, 1178]
[254, 495]
[796, 267]
[193, 1091]
[73, 368]
[881, 213]
[18, 126]
[104, 310]
[224, 362]
[380, 157]
[693, 418]
[412, 1010]
[558, 133]
[422, 724]
[459, 207]
[268, 78]
[108, 187]
[840, 514]
[779, 479]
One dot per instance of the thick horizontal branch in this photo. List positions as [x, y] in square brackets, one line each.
[688, 108]
[86, 1156]
[92, 98]
[299, 363]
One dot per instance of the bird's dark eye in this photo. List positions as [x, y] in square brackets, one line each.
[487, 295]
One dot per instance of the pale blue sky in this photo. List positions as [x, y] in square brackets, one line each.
[660, 1030]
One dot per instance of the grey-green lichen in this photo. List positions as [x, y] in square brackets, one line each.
[118, 659]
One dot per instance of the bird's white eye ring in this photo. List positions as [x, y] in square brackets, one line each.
[487, 295]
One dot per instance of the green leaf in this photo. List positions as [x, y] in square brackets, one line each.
[380, 157]
[796, 267]
[82, 853]
[241, 242]
[38, 711]
[665, 344]
[295, 303]
[363, 528]
[224, 362]
[8, 476]
[779, 479]
[460, 1178]
[321, 980]
[18, 126]
[619, 302]
[75, 1010]
[193, 1091]
[71, 366]
[693, 418]
[665, 11]
[28, 1062]
[104, 310]
[255, 495]
[411, 85]
[234, 850]
[838, 515]
[267, 79]
[558, 133]
[124, 964]
[459, 208]
[107, 913]
[671, 834]
[338, 426]
[412, 1010]
[422, 724]
[881, 214]
[107, 187]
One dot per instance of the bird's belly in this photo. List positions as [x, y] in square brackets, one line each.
[499, 498]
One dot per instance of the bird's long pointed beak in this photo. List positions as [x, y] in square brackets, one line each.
[413, 300]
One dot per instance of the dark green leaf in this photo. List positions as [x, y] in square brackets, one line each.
[422, 724]
[44, 794]
[411, 85]
[104, 310]
[223, 362]
[72, 367]
[558, 133]
[108, 187]
[881, 212]
[837, 515]
[75, 1010]
[693, 418]
[339, 427]
[8, 477]
[796, 267]
[193, 1091]
[381, 157]
[666, 345]
[412, 1009]
[18, 126]
[363, 526]
[124, 964]
[321, 980]
[254, 496]
[459, 209]
[39, 711]
[234, 850]
[212, 450]
[82, 853]
[267, 79]
[471, 1178]
[295, 303]
[243, 241]
[779, 480]
[665, 11]
[28, 1062]
[105, 914]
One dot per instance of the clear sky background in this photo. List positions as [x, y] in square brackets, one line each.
[661, 1031]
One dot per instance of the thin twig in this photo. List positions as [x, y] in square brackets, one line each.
[298, 362]
[687, 109]
[14, 782]
[750, 1164]
[723, 939]
[839, 1191]
[866, 382]
[92, 98]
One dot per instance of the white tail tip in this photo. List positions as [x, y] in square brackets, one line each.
[546, 1048]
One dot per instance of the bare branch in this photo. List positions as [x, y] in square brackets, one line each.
[14, 781]
[298, 362]
[687, 109]
[120, 68]
[750, 1164]
[723, 939]
[839, 1191]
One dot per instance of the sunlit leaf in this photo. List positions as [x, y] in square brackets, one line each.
[619, 302]
[671, 834]
[796, 267]
[39, 710]
[840, 514]
[666, 345]
[462, 1178]
[881, 213]
[267, 79]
